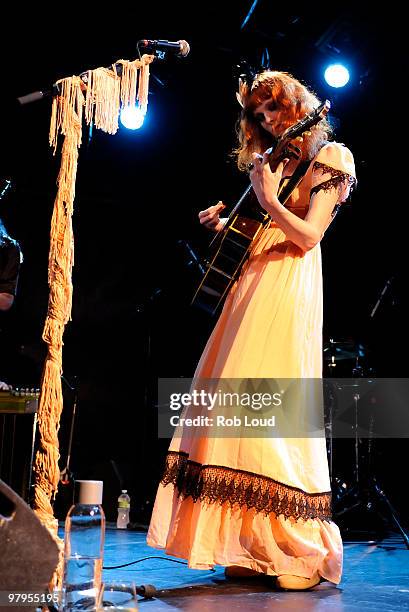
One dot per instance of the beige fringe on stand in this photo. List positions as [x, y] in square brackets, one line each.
[100, 99]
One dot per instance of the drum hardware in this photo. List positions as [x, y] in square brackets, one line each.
[364, 490]
[341, 350]
[336, 351]
[340, 486]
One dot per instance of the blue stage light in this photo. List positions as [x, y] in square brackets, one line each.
[336, 75]
[132, 117]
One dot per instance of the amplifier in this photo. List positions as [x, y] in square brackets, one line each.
[19, 401]
[18, 428]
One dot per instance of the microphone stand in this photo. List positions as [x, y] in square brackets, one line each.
[66, 471]
[54, 90]
[193, 259]
[375, 308]
[66, 476]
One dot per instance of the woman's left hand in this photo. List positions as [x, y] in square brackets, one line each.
[265, 182]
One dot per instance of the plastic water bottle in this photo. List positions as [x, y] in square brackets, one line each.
[124, 505]
[84, 549]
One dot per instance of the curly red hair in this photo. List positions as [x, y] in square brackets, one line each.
[289, 96]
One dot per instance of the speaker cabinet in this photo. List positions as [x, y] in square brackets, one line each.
[28, 553]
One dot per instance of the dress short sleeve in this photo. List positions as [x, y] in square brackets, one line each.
[334, 168]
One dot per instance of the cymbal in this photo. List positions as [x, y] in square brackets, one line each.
[337, 350]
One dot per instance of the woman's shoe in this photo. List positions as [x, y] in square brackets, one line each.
[296, 583]
[236, 571]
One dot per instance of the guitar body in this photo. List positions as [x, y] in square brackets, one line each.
[233, 243]
[231, 252]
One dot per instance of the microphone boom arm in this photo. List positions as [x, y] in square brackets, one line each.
[54, 90]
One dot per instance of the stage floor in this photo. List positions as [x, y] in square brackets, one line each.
[376, 577]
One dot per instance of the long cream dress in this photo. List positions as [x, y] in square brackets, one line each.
[261, 503]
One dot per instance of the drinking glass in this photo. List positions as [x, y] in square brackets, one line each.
[119, 596]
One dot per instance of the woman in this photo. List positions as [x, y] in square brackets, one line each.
[262, 505]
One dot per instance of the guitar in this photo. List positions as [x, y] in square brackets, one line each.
[233, 243]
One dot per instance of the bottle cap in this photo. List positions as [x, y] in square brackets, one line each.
[90, 491]
[124, 490]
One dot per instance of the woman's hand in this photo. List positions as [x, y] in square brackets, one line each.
[265, 182]
[210, 217]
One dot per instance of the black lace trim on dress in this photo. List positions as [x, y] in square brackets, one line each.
[338, 177]
[217, 483]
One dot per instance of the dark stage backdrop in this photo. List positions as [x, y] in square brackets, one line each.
[138, 195]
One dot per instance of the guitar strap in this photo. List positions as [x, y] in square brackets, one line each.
[286, 189]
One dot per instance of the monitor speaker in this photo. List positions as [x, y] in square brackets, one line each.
[29, 555]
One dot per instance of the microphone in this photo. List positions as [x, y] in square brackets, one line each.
[182, 46]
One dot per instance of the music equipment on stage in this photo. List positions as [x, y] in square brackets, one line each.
[66, 490]
[5, 185]
[181, 46]
[345, 363]
[19, 400]
[337, 350]
[29, 554]
[345, 357]
[232, 244]
[342, 358]
[18, 428]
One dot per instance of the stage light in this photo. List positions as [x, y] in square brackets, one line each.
[336, 75]
[132, 117]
